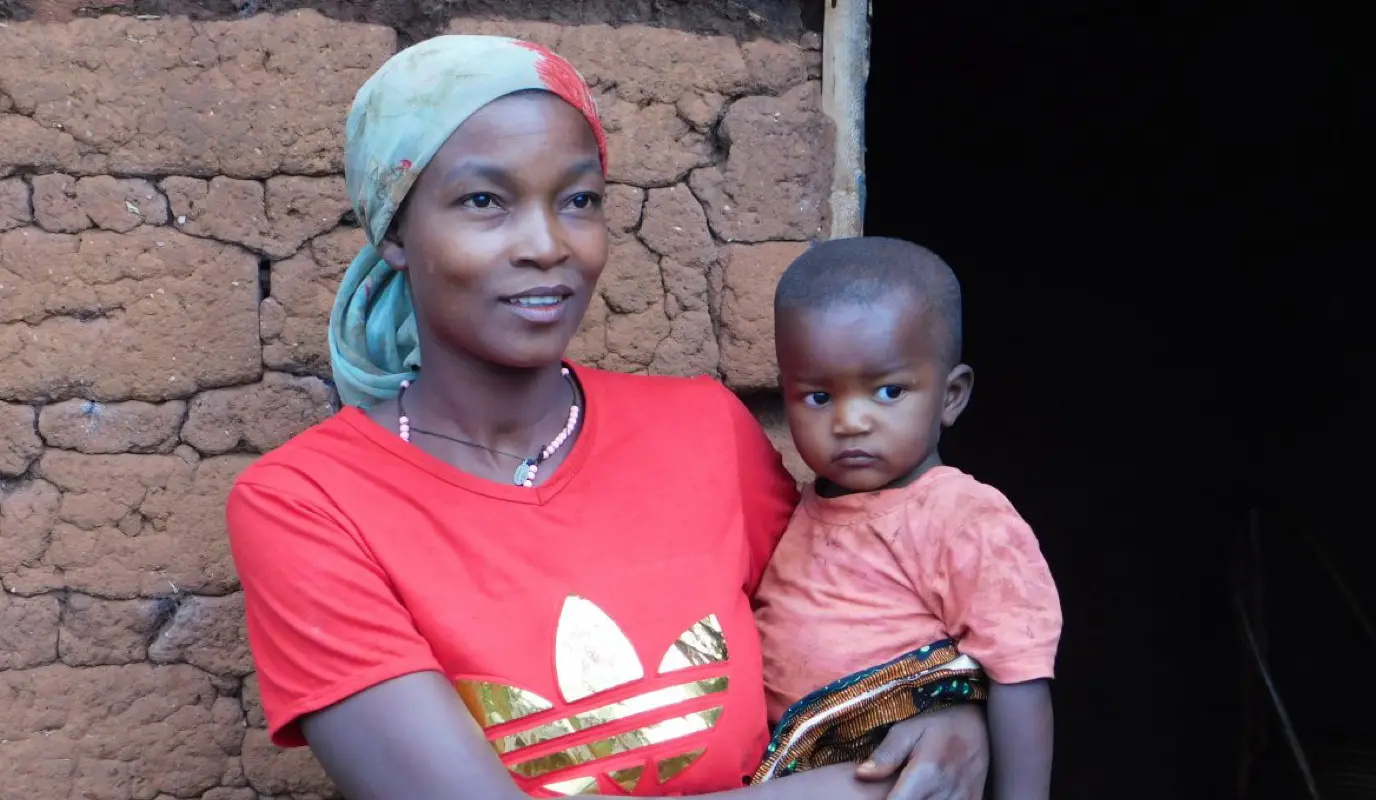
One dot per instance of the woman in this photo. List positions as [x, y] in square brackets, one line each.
[503, 576]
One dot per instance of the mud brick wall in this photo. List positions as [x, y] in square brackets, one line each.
[172, 225]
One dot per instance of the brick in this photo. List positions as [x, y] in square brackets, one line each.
[16, 209]
[275, 218]
[294, 320]
[747, 313]
[130, 427]
[589, 344]
[28, 513]
[775, 67]
[19, 442]
[120, 204]
[148, 315]
[624, 205]
[258, 417]
[631, 282]
[55, 204]
[274, 771]
[119, 732]
[651, 145]
[774, 183]
[139, 525]
[207, 632]
[252, 701]
[98, 632]
[245, 98]
[675, 225]
[655, 65]
[689, 349]
[28, 631]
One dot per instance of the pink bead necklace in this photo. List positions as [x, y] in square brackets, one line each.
[525, 473]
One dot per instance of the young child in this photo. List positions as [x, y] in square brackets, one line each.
[901, 584]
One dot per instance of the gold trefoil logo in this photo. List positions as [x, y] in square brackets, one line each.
[591, 656]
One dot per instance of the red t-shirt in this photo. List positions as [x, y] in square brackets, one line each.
[598, 625]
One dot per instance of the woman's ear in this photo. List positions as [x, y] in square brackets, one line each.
[393, 251]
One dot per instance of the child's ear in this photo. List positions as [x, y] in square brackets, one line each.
[960, 382]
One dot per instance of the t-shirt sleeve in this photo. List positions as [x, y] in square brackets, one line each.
[769, 493]
[323, 620]
[996, 595]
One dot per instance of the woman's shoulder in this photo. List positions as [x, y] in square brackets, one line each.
[698, 404]
[305, 463]
[639, 386]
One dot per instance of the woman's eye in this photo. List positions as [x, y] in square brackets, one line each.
[479, 200]
[888, 394]
[584, 200]
[816, 399]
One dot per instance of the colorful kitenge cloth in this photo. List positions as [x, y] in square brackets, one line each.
[846, 720]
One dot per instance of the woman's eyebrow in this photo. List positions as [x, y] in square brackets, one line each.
[586, 166]
[472, 168]
[487, 170]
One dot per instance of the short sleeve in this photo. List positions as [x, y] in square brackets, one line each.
[769, 493]
[997, 596]
[323, 620]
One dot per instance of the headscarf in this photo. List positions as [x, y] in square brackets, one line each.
[400, 117]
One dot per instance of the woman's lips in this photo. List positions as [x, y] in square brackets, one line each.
[542, 305]
[539, 309]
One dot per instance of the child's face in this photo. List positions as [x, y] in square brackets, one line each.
[866, 392]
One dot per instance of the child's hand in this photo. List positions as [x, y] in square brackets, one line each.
[942, 756]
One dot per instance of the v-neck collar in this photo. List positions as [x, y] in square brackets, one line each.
[564, 474]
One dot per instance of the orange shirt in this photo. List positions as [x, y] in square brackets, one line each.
[861, 579]
[597, 625]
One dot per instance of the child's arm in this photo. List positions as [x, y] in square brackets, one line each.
[994, 592]
[1020, 736]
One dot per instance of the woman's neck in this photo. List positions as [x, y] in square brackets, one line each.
[494, 407]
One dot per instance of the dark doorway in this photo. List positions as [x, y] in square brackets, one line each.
[1147, 209]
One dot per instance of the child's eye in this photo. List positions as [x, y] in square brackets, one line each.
[890, 393]
[480, 200]
[816, 399]
[584, 200]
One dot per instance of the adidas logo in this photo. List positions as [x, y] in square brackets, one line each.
[562, 750]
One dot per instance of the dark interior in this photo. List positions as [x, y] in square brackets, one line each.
[1149, 212]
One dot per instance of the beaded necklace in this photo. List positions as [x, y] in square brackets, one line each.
[526, 471]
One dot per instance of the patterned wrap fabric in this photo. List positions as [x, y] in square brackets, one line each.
[400, 118]
[846, 720]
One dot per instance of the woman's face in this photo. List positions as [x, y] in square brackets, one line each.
[503, 235]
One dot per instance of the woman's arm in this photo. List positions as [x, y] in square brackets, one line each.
[412, 738]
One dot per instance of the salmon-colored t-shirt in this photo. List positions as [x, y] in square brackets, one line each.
[598, 625]
[862, 579]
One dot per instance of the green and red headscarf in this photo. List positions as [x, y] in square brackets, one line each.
[400, 118]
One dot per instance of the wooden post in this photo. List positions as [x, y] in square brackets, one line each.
[845, 69]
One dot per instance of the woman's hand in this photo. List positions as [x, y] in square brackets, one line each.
[836, 782]
[939, 756]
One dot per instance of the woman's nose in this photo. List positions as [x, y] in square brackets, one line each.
[539, 241]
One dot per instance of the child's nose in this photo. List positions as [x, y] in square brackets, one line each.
[850, 420]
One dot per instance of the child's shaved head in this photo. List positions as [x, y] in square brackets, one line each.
[868, 270]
